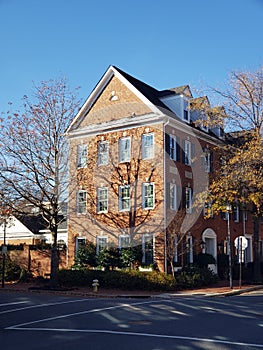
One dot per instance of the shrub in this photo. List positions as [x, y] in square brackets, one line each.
[204, 259]
[131, 280]
[86, 256]
[109, 258]
[223, 265]
[191, 277]
[195, 276]
[12, 270]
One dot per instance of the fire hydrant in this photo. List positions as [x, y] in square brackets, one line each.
[95, 286]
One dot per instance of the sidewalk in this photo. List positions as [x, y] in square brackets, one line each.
[220, 289]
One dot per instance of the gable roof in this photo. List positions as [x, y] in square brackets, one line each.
[146, 93]
[17, 230]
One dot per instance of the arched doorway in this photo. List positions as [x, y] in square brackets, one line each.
[210, 240]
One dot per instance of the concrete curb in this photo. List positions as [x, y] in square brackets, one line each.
[192, 293]
[238, 291]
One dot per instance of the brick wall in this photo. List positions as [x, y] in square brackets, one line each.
[36, 261]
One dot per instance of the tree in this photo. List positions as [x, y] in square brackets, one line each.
[239, 178]
[33, 155]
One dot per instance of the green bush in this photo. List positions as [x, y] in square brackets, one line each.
[108, 258]
[12, 270]
[135, 280]
[204, 259]
[86, 256]
[195, 276]
[223, 266]
[132, 280]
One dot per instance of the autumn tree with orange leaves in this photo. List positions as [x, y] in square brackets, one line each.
[239, 178]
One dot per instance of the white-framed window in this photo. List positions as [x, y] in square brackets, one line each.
[102, 199]
[172, 143]
[81, 202]
[80, 242]
[187, 152]
[244, 213]
[103, 153]
[148, 146]
[124, 149]
[101, 243]
[188, 200]
[186, 111]
[173, 196]
[248, 252]
[176, 249]
[207, 161]
[189, 249]
[82, 156]
[147, 249]
[124, 241]
[124, 198]
[148, 197]
[235, 212]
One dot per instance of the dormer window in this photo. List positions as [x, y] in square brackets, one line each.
[179, 104]
[186, 110]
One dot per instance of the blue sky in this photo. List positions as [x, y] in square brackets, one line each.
[164, 43]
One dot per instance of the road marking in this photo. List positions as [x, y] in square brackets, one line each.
[79, 313]
[42, 305]
[15, 303]
[151, 335]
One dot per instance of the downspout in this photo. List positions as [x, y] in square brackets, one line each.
[164, 182]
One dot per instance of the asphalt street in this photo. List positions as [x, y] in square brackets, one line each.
[35, 321]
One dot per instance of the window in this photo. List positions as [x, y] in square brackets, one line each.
[244, 213]
[147, 249]
[188, 200]
[125, 149]
[82, 156]
[101, 243]
[147, 146]
[103, 153]
[189, 250]
[187, 152]
[124, 241]
[148, 196]
[207, 160]
[173, 147]
[186, 110]
[81, 202]
[124, 198]
[102, 195]
[235, 212]
[186, 115]
[173, 196]
[175, 249]
[80, 242]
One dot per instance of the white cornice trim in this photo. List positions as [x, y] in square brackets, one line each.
[115, 125]
[139, 121]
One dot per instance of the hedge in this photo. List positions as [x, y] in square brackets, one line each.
[136, 280]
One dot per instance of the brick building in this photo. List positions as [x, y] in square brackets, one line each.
[137, 167]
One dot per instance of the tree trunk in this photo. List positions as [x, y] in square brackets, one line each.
[54, 266]
[256, 249]
[54, 260]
